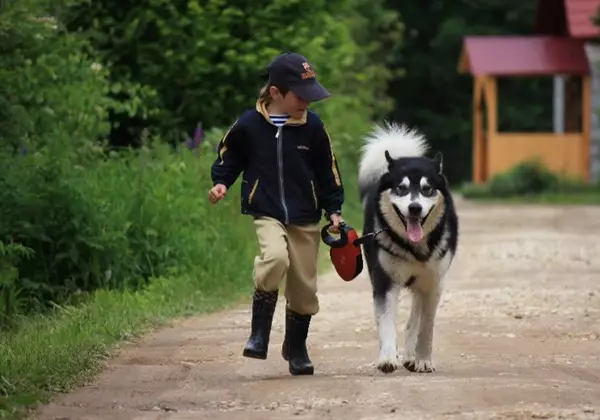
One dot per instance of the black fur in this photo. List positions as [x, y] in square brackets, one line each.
[414, 168]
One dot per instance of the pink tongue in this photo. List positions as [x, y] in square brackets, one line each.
[414, 230]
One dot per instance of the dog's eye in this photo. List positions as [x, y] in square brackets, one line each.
[427, 190]
[401, 190]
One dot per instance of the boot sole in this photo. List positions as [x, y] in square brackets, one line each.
[254, 355]
[305, 371]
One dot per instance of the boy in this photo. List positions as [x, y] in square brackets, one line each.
[290, 175]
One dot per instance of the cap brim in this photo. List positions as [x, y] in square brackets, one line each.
[311, 91]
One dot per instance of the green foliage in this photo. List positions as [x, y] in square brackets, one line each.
[114, 223]
[205, 59]
[529, 178]
[50, 86]
[10, 255]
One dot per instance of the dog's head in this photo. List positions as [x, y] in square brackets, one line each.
[416, 189]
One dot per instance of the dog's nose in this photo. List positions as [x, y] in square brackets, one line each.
[414, 209]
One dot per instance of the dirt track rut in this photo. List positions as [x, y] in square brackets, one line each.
[517, 337]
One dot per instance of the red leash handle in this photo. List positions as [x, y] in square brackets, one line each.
[345, 251]
[331, 240]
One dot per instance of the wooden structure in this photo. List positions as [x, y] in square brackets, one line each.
[552, 52]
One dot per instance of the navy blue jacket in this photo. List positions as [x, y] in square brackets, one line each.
[290, 173]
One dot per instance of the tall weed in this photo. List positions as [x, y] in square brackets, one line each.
[115, 223]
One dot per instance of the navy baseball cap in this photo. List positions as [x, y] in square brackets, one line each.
[293, 71]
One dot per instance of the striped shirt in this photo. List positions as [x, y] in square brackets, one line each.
[279, 119]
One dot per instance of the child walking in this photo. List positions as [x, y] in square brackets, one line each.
[290, 176]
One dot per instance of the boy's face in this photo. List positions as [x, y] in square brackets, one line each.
[289, 103]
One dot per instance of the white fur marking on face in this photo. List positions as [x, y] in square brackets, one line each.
[402, 202]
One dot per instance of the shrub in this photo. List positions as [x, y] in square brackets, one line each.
[527, 178]
[50, 87]
[114, 223]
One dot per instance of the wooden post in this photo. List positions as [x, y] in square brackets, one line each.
[586, 117]
[487, 92]
[491, 96]
[478, 155]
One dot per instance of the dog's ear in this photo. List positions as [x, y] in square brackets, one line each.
[438, 160]
[389, 159]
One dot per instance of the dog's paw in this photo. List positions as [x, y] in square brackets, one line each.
[409, 363]
[419, 366]
[388, 365]
[388, 361]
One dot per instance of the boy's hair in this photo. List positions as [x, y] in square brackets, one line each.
[265, 92]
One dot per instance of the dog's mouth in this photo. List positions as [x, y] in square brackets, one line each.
[413, 225]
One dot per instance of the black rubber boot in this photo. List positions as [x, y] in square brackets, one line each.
[294, 349]
[263, 308]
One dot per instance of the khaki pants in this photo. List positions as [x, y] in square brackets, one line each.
[289, 252]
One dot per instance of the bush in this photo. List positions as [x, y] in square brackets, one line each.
[115, 223]
[528, 178]
[50, 87]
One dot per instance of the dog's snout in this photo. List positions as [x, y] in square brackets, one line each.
[415, 209]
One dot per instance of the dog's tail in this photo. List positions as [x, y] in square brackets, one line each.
[397, 139]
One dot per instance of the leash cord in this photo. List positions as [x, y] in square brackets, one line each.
[360, 240]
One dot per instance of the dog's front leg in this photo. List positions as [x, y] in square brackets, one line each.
[412, 332]
[386, 307]
[423, 352]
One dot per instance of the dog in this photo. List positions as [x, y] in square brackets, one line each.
[411, 235]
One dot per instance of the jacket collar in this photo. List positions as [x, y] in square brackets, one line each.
[262, 110]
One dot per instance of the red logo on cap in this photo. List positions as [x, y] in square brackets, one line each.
[309, 73]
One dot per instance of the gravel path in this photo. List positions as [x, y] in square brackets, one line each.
[517, 337]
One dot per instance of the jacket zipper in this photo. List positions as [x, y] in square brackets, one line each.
[253, 191]
[279, 138]
[312, 184]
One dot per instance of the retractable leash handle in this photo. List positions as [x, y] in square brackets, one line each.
[330, 240]
[345, 251]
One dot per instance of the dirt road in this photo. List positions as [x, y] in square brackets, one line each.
[518, 337]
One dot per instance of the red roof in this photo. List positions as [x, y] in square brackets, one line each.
[579, 17]
[571, 18]
[518, 55]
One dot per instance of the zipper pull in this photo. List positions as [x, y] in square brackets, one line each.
[278, 132]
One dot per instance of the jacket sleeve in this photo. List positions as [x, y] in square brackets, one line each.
[330, 188]
[230, 161]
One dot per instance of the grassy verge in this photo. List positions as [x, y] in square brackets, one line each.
[52, 353]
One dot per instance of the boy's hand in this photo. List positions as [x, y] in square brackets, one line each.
[336, 220]
[217, 193]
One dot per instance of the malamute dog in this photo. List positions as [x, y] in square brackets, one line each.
[412, 233]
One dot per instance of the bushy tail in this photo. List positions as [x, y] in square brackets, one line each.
[398, 139]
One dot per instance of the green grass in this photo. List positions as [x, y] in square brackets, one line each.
[49, 354]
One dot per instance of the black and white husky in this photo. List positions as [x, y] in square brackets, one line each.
[412, 234]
